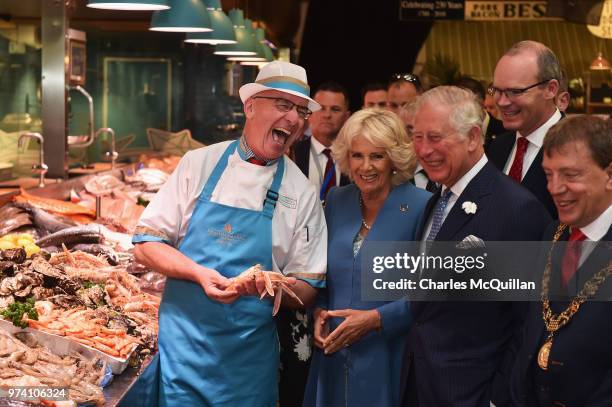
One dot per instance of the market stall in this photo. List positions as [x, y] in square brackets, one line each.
[77, 314]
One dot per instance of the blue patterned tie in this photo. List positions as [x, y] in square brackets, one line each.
[438, 216]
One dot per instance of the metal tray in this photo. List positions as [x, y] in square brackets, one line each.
[63, 345]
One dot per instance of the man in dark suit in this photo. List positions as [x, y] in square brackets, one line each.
[571, 364]
[458, 353]
[312, 154]
[525, 83]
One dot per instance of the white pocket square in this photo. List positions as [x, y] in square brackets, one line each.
[471, 242]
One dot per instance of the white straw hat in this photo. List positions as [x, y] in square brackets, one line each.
[282, 76]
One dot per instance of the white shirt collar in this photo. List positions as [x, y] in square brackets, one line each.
[418, 168]
[537, 136]
[468, 176]
[597, 229]
[317, 145]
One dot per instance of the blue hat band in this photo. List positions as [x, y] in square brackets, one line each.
[281, 85]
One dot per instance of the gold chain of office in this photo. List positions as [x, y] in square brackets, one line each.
[555, 322]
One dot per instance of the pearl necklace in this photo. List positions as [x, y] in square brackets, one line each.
[363, 222]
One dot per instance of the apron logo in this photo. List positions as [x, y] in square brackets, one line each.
[226, 236]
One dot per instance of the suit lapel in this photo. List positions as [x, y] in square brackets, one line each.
[476, 191]
[535, 170]
[302, 155]
[500, 149]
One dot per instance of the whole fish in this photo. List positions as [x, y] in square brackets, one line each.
[44, 220]
[77, 234]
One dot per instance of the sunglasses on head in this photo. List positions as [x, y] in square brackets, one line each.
[408, 77]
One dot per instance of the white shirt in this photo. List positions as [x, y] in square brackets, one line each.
[420, 180]
[317, 163]
[595, 231]
[457, 189]
[299, 232]
[536, 139]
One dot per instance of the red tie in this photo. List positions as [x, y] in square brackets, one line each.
[329, 179]
[257, 161]
[516, 171]
[571, 258]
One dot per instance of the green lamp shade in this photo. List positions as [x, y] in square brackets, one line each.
[259, 56]
[213, 4]
[267, 52]
[184, 16]
[143, 5]
[237, 17]
[222, 33]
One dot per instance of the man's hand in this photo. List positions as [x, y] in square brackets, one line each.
[356, 324]
[216, 286]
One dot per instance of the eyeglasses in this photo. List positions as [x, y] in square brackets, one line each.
[512, 93]
[408, 77]
[285, 106]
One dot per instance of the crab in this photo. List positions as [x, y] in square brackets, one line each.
[275, 284]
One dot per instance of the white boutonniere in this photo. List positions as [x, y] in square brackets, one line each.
[469, 207]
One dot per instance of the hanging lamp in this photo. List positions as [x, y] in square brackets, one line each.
[260, 54]
[245, 43]
[600, 63]
[184, 16]
[223, 29]
[141, 5]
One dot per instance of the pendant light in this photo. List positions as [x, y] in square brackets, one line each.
[184, 16]
[223, 29]
[260, 35]
[245, 44]
[259, 56]
[600, 63]
[141, 5]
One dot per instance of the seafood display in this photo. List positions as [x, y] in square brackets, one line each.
[275, 283]
[25, 363]
[81, 296]
[86, 326]
[67, 272]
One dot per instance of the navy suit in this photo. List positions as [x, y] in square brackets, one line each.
[460, 353]
[301, 157]
[580, 362]
[498, 151]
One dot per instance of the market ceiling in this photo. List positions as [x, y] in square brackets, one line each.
[280, 18]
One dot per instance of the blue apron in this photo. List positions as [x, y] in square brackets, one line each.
[214, 354]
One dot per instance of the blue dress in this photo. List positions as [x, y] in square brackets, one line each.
[367, 373]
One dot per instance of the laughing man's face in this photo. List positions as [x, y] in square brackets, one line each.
[269, 131]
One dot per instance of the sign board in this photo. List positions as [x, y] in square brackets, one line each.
[604, 29]
[421, 10]
[506, 10]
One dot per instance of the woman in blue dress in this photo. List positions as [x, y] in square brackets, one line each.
[360, 344]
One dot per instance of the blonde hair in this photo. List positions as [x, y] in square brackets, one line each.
[383, 129]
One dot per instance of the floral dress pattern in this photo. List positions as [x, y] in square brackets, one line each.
[295, 353]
